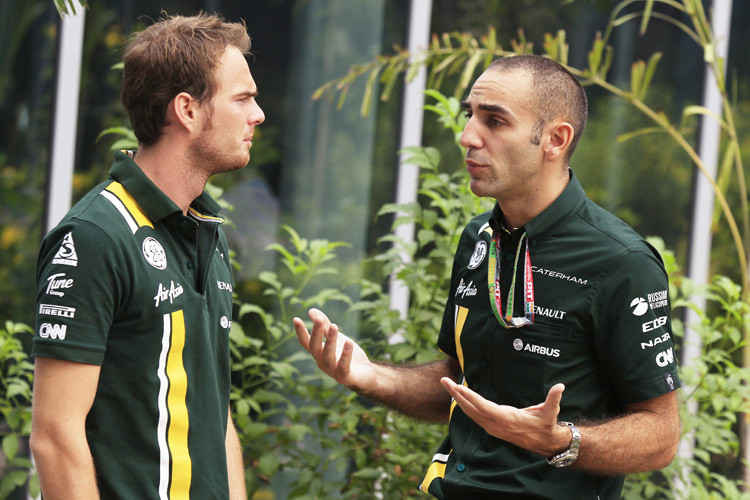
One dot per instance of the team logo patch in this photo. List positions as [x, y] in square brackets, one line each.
[154, 253]
[225, 323]
[639, 305]
[163, 293]
[53, 331]
[480, 252]
[57, 283]
[66, 255]
[536, 349]
[669, 380]
[54, 310]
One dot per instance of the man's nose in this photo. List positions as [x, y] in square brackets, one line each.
[469, 137]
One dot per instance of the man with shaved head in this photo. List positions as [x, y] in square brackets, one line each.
[559, 375]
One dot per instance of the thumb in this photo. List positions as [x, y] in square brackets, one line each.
[554, 396]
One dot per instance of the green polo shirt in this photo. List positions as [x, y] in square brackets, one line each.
[129, 283]
[601, 327]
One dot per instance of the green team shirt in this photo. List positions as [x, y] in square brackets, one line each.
[127, 282]
[601, 326]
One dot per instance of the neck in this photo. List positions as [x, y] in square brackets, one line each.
[529, 203]
[171, 173]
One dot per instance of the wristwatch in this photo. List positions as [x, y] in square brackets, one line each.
[571, 454]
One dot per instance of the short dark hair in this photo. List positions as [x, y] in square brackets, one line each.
[556, 93]
[176, 54]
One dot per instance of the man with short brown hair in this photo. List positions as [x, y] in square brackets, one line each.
[132, 377]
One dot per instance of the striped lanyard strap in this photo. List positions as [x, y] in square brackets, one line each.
[493, 283]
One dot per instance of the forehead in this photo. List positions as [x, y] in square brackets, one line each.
[510, 90]
[232, 71]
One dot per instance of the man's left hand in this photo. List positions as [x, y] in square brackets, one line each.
[533, 428]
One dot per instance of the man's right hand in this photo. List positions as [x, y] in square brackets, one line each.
[336, 354]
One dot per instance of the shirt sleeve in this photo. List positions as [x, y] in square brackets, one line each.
[80, 279]
[447, 336]
[633, 328]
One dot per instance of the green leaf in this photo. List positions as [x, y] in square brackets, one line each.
[368, 473]
[10, 446]
[268, 463]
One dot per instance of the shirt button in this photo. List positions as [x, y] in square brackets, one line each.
[484, 363]
[184, 224]
[460, 467]
[533, 243]
[508, 257]
[189, 264]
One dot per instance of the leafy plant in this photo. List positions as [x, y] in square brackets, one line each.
[715, 391]
[336, 445]
[69, 6]
[16, 375]
[459, 55]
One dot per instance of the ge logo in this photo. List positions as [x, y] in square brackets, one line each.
[518, 344]
[639, 305]
[154, 253]
[480, 251]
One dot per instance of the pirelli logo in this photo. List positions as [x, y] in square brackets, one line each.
[61, 311]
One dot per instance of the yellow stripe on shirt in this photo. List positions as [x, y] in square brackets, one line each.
[177, 435]
[133, 207]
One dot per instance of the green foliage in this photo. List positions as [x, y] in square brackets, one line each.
[16, 375]
[287, 411]
[715, 393]
[69, 6]
[295, 420]
[462, 54]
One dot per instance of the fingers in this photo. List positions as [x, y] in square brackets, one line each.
[322, 343]
[465, 397]
[329, 348]
[321, 324]
[302, 335]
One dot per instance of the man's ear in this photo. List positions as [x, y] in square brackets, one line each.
[183, 111]
[559, 139]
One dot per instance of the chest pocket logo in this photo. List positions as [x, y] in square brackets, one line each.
[154, 253]
[480, 252]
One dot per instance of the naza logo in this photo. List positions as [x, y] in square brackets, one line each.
[53, 331]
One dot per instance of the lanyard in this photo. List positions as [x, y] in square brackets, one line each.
[493, 282]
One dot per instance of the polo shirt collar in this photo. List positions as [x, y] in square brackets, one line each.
[151, 199]
[560, 211]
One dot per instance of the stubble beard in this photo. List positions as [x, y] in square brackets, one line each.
[213, 156]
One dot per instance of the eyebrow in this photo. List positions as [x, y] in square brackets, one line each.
[491, 108]
[247, 93]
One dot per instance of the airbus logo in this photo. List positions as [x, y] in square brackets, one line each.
[225, 322]
[518, 345]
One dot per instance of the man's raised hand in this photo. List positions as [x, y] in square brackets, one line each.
[336, 354]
